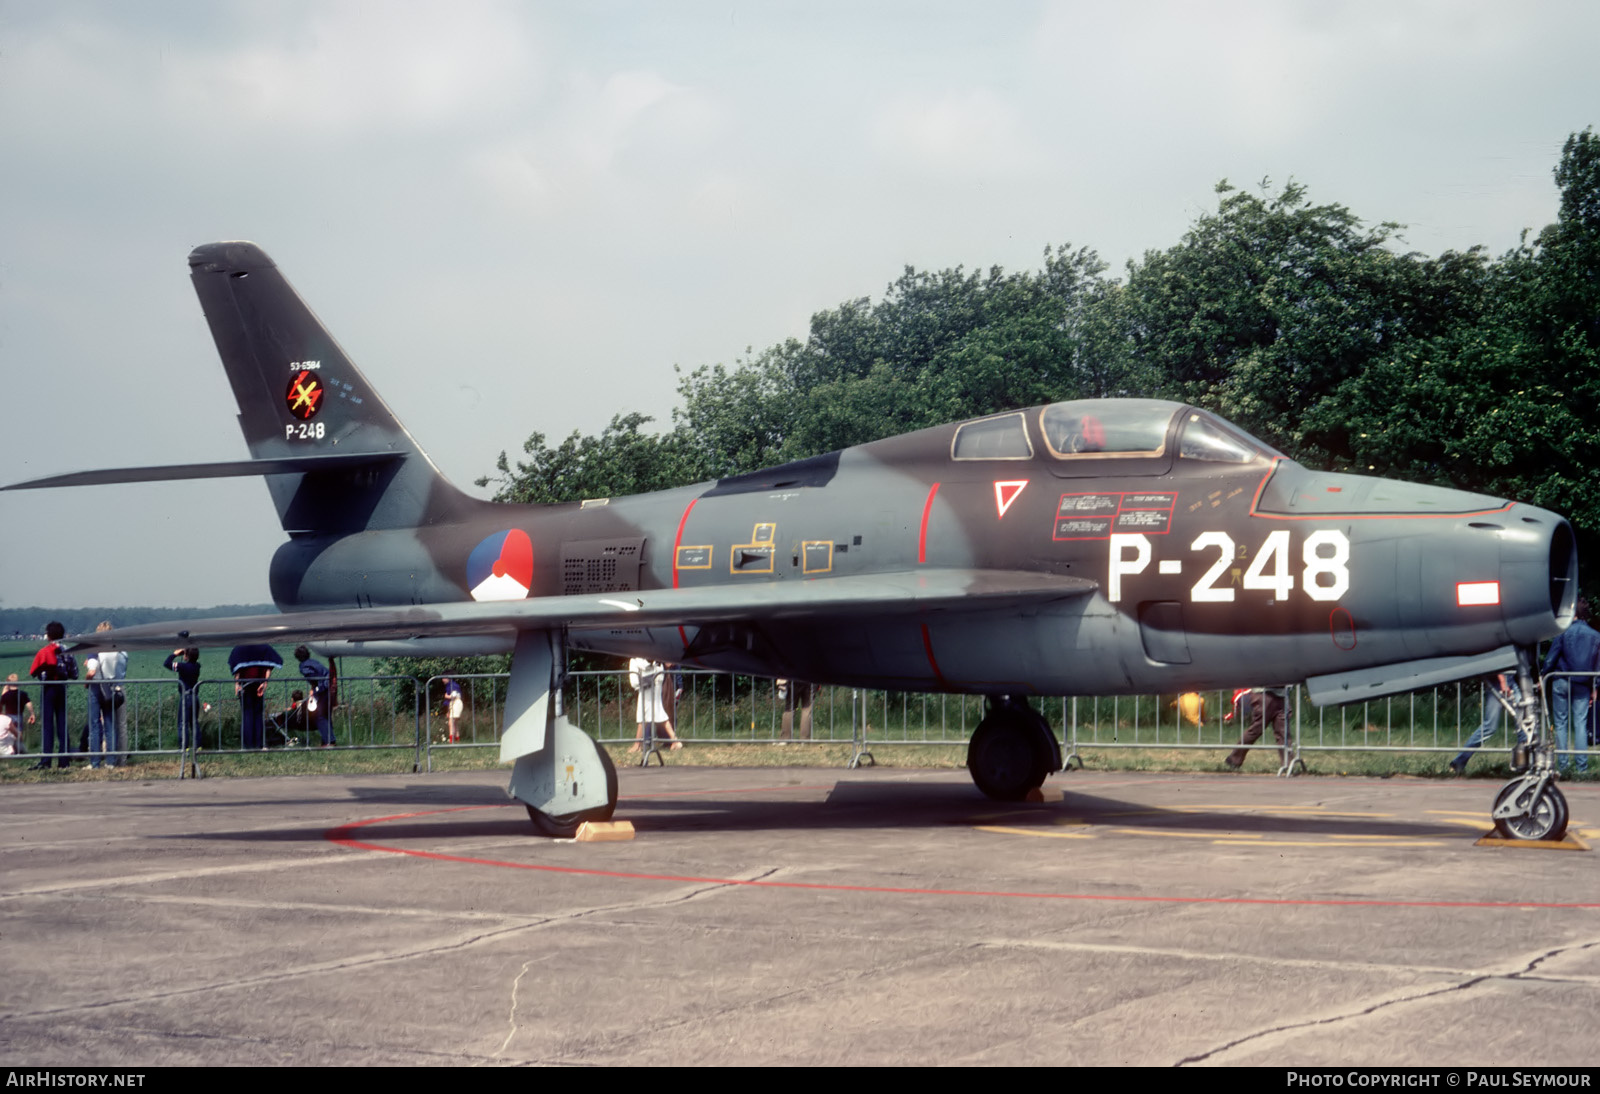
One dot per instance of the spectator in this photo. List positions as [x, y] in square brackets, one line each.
[1494, 685]
[1265, 705]
[99, 709]
[292, 724]
[452, 707]
[53, 665]
[796, 697]
[648, 678]
[14, 702]
[319, 705]
[252, 664]
[114, 668]
[1575, 649]
[188, 698]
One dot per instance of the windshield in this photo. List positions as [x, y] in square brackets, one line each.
[1204, 436]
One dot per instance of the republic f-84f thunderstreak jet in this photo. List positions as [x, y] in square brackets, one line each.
[1087, 547]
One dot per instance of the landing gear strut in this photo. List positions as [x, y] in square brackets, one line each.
[1012, 751]
[1530, 806]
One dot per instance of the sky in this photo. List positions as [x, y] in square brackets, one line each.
[520, 217]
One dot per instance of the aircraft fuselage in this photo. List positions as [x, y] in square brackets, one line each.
[1210, 572]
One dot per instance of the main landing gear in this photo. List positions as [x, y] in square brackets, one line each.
[570, 781]
[1530, 806]
[1012, 751]
[560, 774]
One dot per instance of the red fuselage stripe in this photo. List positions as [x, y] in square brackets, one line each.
[683, 520]
[922, 538]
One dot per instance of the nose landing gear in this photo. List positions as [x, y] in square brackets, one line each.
[1531, 806]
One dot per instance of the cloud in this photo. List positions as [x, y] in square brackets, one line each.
[362, 65]
[964, 133]
[632, 136]
[1258, 72]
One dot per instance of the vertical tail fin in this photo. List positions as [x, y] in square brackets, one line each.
[299, 395]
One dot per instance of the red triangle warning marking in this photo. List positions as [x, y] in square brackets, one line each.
[1005, 493]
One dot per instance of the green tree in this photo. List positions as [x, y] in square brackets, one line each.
[621, 460]
[1268, 306]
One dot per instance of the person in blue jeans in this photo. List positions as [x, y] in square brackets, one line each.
[52, 665]
[316, 674]
[1577, 649]
[188, 671]
[1492, 709]
[102, 729]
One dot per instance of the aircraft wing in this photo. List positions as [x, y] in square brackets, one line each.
[217, 470]
[917, 592]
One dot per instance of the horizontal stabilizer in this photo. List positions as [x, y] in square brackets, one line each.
[1375, 683]
[917, 592]
[285, 465]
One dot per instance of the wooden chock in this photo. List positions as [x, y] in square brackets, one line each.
[604, 831]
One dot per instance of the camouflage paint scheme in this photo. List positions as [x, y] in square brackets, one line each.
[1044, 573]
[1092, 547]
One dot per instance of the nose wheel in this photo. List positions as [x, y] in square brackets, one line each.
[1531, 808]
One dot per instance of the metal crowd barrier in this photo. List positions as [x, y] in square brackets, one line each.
[395, 712]
[370, 712]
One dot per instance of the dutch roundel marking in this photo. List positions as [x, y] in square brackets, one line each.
[1005, 493]
[304, 395]
[501, 567]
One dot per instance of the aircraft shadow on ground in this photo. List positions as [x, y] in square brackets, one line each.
[438, 797]
[850, 806]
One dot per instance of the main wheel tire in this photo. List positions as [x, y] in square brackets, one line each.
[1547, 820]
[1004, 760]
[566, 825]
[1047, 750]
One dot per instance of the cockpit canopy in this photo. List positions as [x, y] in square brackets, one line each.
[1107, 427]
[1139, 436]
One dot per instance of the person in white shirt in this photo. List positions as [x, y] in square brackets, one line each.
[648, 679]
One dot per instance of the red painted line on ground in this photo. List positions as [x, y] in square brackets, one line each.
[343, 835]
[922, 538]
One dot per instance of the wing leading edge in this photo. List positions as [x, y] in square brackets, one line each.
[218, 470]
[905, 593]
